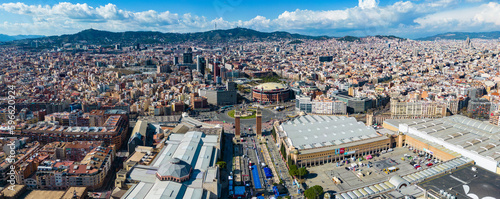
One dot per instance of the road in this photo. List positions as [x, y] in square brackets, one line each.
[281, 167]
[227, 156]
[253, 154]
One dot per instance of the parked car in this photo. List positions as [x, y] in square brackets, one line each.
[429, 164]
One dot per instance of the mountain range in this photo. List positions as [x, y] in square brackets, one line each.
[6, 38]
[92, 36]
[463, 36]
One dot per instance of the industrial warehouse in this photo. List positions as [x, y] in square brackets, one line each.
[452, 144]
[456, 134]
[313, 139]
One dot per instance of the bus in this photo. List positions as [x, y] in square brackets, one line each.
[226, 107]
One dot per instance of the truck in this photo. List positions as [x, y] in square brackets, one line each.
[336, 180]
[390, 170]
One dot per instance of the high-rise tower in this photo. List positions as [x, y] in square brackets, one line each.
[259, 122]
[237, 115]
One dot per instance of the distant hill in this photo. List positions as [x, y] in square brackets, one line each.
[99, 37]
[92, 36]
[6, 38]
[463, 36]
[348, 38]
[389, 37]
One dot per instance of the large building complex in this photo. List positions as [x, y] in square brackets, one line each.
[271, 92]
[320, 106]
[112, 131]
[417, 109]
[456, 134]
[184, 168]
[355, 104]
[313, 139]
[220, 95]
[89, 172]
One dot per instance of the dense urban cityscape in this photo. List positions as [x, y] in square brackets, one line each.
[239, 113]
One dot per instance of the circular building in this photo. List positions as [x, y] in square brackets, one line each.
[271, 92]
[175, 170]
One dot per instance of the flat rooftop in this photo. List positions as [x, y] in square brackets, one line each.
[36, 194]
[469, 134]
[314, 131]
[466, 183]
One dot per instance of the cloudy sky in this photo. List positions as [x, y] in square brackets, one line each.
[411, 19]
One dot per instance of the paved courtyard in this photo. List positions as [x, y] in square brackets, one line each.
[322, 175]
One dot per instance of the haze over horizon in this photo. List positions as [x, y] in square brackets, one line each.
[410, 19]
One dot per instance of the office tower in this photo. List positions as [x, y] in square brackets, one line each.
[216, 70]
[176, 60]
[188, 56]
[200, 64]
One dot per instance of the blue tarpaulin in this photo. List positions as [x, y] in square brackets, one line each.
[256, 178]
[239, 190]
[268, 172]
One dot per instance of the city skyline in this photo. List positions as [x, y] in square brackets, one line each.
[410, 19]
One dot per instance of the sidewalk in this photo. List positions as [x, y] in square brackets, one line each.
[270, 163]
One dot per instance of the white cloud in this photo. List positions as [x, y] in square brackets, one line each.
[367, 4]
[484, 17]
[368, 17]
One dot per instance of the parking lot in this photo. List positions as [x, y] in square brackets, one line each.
[352, 179]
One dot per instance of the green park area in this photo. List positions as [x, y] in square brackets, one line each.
[231, 114]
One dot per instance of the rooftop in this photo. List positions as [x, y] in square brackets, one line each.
[466, 183]
[311, 131]
[465, 133]
[270, 86]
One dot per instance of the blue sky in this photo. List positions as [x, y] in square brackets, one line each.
[409, 18]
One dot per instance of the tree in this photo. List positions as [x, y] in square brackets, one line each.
[293, 170]
[302, 172]
[221, 164]
[314, 192]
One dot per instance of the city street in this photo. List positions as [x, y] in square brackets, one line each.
[282, 168]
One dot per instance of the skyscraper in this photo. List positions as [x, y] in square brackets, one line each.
[200, 64]
[216, 70]
[176, 60]
[188, 56]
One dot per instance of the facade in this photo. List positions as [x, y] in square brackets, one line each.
[220, 95]
[198, 103]
[329, 107]
[187, 56]
[112, 131]
[89, 172]
[313, 139]
[162, 69]
[418, 109]
[200, 64]
[303, 104]
[355, 104]
[320, 106]
[271, 92]
[479, 107]
[495, 118]
[325, 58]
